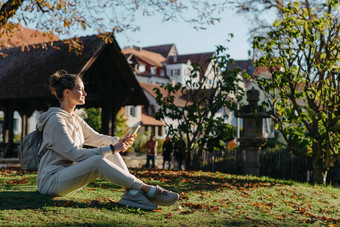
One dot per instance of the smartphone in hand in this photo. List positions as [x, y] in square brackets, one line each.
[136, 130]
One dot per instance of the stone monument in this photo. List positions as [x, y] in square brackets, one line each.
[252, 139]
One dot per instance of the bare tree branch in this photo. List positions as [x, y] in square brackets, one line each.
[8, 10]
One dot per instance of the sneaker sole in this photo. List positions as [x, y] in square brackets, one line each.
[137, 205]
[169, 203]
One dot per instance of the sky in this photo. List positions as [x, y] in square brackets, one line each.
[189, 40]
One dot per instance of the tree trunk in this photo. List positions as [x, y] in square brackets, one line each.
[319, 176]
[196, 162]
[188, 160]
[319, 170]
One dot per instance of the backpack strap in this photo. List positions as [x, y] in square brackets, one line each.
[42, 136]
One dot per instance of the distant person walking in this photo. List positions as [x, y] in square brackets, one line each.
[180, 152]
[167, 151]
[151, 152]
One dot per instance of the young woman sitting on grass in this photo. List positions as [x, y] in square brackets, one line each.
[67, 166]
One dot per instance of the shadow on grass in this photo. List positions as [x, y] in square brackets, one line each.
[18, 200]
[186, 181]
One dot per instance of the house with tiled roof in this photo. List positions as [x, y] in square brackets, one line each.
[148, 66]
[160, 65]
[179, 67]
[166, 50]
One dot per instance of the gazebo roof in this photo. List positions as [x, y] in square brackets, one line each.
[25, 74]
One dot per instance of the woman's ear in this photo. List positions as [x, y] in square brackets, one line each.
[66, 92]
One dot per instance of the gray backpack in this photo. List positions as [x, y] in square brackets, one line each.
[28, 151]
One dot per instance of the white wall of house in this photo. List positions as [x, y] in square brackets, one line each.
[153, 79]
[179, 73]
[159, 80]
[210, 74]
[134, 114]
[143, 79]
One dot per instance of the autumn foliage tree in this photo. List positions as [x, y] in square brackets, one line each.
[67, 18]
[302, 53]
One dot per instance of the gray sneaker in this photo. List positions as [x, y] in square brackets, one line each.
[138, 200]
[164, 197]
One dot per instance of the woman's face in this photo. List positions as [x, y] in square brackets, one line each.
[77, 94]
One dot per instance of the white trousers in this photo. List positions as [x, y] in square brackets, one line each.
[75, 177]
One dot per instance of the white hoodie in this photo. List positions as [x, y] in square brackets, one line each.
[64, 136]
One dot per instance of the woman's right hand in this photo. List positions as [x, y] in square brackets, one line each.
[125, 143]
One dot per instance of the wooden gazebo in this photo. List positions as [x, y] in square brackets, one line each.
[109, 81]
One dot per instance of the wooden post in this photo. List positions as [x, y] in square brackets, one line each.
[113, 123]
[23, 125]
[8, 132]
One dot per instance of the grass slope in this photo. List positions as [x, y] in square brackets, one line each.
[207, 199]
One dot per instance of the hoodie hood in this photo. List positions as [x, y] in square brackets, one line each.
[46, 115]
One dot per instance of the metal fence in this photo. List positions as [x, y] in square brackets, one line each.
[281, 164]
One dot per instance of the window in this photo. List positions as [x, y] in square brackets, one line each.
[177, 72]
[265, 126]
[146, 128]
[162, 72]
[160, 130]
[150, 111]
[132, 111]
[153, 130]
[153, 70]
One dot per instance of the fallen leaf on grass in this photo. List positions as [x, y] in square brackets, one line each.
[183, 197]
[302, 210]
[17, 181]
[334, 196]
[188, 211]
[249, 218]
[192, 205]
[67, 203]
[158, 210]
[168, 216]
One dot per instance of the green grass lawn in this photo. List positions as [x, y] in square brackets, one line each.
[207, 199]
